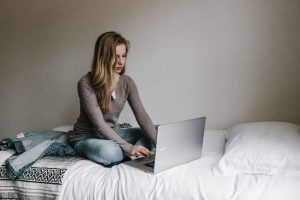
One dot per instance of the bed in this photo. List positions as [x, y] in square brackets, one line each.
[227, 170]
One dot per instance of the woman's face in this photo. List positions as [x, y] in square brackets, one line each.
[121, 57]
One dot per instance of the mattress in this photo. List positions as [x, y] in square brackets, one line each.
[194, 180]
[77, 178]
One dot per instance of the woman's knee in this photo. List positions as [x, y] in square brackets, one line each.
[111, 153]
[131, 135]
[102, 151]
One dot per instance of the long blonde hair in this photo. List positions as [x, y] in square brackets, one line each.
[103, 66]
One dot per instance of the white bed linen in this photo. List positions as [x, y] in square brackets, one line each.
[88, 180]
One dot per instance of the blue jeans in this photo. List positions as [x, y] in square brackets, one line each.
[107, 152]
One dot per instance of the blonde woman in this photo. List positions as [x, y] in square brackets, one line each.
[103, 93]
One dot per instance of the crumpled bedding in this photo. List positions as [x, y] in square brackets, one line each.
[194, 180]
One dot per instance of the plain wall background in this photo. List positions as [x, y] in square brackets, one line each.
[231, 61]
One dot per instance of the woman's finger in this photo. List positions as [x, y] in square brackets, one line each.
[140, 151]
[145, 152]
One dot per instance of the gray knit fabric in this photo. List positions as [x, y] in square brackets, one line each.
[93, 123]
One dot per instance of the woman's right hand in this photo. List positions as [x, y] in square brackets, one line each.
[139, 151]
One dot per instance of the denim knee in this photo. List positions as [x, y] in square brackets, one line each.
[110, 153]
[105, 152]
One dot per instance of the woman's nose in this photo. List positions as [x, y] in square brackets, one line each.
[120, 61]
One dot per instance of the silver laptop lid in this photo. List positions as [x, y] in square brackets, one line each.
[179, 143]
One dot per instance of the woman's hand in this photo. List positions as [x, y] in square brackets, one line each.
[139, 151]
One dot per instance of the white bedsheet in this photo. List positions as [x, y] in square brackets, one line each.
[88, 180]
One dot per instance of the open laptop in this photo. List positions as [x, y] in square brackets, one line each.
[176, 143]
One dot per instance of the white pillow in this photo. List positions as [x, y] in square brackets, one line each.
[268, 148]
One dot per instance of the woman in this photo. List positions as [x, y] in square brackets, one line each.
[103, 93]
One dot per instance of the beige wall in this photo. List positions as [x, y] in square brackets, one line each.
[232, 61]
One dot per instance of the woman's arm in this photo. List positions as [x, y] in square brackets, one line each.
[140, 114]
[89, 103]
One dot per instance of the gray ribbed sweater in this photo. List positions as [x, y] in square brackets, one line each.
[93, 123]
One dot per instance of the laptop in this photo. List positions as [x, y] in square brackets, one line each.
[176, 143]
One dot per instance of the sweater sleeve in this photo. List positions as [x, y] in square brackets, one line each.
[140, 114]
[89, 103]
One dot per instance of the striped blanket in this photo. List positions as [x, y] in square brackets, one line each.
[43, 180]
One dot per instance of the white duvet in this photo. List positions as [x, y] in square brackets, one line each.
[194, 180]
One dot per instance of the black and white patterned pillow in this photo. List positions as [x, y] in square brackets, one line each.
[125, 125]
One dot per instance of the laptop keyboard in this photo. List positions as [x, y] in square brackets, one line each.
[149, 164]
